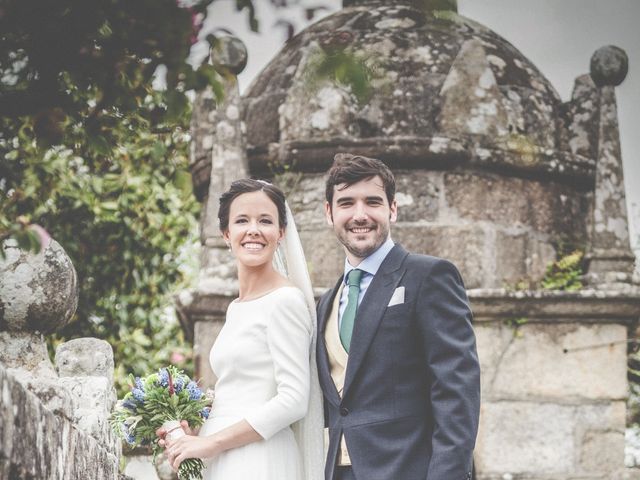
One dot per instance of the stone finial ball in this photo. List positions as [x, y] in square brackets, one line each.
[609, 66]
[85, 357]
[230, 53]
[38, 292]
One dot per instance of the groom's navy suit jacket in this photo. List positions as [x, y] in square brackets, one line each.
[411, 398]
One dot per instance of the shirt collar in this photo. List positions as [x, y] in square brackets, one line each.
[372, 263]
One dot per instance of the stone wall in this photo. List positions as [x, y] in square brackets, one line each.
[53, 419]
[472, 218]
[554, 384]
[38, 444]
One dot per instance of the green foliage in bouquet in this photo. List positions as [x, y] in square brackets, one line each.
[155, 399]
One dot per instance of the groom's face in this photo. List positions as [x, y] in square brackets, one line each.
[361, 216]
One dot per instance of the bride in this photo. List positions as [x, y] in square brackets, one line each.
[266, 421]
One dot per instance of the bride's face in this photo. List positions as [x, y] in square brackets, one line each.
[254, 231]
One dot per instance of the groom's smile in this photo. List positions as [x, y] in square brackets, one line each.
[358, 230]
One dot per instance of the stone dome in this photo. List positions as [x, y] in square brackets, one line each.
[493, 170]
[446, 91]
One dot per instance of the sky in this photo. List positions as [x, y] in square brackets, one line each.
[558, 36]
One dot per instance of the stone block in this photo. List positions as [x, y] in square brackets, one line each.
[521, 256]
[627, 474]
[325, 256]
[85, 357]
[601, 416]
[417, 195]
[465, 246]
[536, 440]
[524, 438]
[602, 451]
[510, 253]
[93, 399]
[545, 207]
[306, 197]
[25, 357]
[205, 334]
[209, 225]
[218, 272]
[52, 394]
[85, 367]
[262, 120]
[27, 351]
[553, 361]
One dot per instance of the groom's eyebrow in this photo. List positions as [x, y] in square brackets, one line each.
[372, 198]
[341, 200]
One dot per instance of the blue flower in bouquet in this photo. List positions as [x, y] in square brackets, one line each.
[138, 383]
[204, 413]
[138, 394]
[178, 384]
[127, 403]
[127, 435]
[194, 392]
[163, 377]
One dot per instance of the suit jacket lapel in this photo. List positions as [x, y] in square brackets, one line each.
[371, 310]
[324, 370]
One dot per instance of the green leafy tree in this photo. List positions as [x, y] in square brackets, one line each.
[75, 72]
[123, 211]
[90, 151]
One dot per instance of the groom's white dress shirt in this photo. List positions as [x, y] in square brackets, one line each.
[369, 266]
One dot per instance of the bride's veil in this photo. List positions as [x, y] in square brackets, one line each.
[290, 261]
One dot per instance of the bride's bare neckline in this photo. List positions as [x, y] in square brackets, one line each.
[262, 295]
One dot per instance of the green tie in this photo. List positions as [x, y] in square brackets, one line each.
[349, 315]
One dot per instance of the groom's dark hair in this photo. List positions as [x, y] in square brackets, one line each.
[348, 169]
[248, 185]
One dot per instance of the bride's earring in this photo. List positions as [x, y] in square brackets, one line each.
[229, 246]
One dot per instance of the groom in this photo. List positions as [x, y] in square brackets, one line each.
[396, 350]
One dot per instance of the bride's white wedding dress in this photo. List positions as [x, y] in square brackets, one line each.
[261, 359]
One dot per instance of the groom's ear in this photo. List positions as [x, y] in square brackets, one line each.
[328, 213]
[393, 211]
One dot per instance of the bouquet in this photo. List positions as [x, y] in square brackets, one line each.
[161, 399]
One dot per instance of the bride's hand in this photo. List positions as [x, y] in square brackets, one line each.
[188, 446]
[162, 432]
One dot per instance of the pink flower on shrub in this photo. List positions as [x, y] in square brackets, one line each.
[177, 358]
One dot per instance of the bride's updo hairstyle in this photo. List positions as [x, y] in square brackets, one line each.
[248, 185]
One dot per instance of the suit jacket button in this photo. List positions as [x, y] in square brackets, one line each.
[344, 411]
